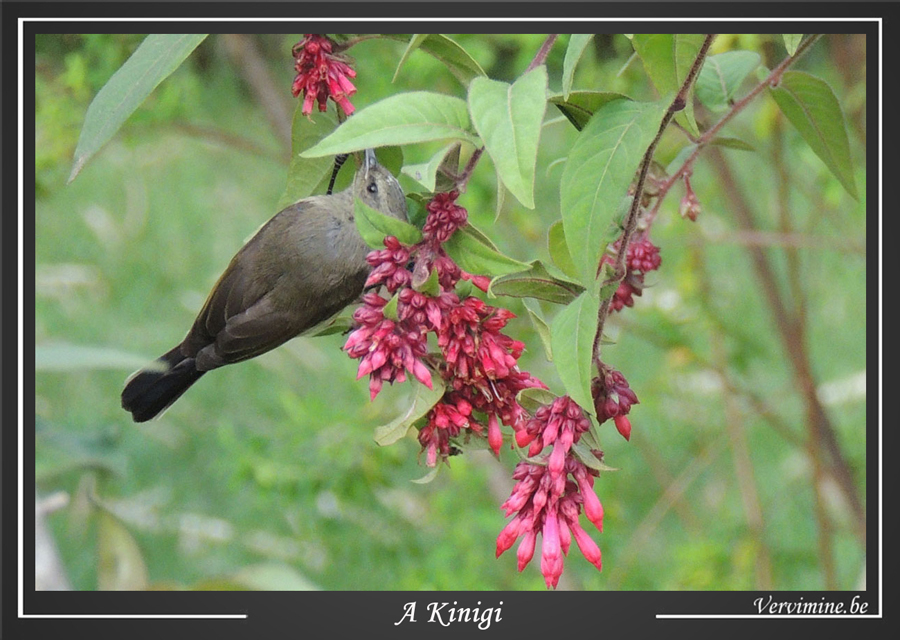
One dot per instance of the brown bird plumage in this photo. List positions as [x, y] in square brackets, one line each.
[302, 267]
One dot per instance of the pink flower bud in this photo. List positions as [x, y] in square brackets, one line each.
[495, 437]
[623, 425]
[586, 544]
[525, 552]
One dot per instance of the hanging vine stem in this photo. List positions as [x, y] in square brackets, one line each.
[631, 220]
[710, 134]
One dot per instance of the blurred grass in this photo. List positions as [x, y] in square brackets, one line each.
[266, 475]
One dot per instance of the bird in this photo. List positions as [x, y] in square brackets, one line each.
[301, 268]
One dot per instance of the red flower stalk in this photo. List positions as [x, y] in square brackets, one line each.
[321, 74]
[551, 505]
[479, 364]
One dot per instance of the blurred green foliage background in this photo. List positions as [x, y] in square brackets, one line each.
[266, 475]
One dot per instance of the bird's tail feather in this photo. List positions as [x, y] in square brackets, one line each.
[151, 391]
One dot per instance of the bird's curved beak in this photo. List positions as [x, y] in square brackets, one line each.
[369, 159]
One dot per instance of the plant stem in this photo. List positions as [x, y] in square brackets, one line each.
[631, 219]
[541, 56]
[710, 134]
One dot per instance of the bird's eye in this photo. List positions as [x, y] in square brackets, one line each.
[372, 188]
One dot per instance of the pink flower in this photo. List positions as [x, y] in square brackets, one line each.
[321, 74]
[387, 349]
[613, 399]
[550, 504]
[444, 217]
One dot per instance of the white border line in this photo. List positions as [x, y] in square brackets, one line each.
[21, 419]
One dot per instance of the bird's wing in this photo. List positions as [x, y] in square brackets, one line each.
[248, 334]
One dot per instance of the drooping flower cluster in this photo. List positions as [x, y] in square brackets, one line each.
[544, 499]
[321, 74]
[478, 365]
[643, 256]
[613, 398]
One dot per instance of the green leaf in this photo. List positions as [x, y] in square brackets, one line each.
[403, 118]
[536, 283]
[423, 401]
[305, 174]
[64, 356]
[414, 43]
[534, 398]
[428, 477]
[733, 143]
[426, 173]
[578, 42]
[390, 309]
[472, 254]
[559, 250]
[811, 106]
[542, 329]
[791, 42]
[579, 106]
[668, 59]
[584, 454]
[601, 165]
[572, 339]
[120, 563]
[508, 118]
[151, 63]
[722, 75]
[271, 576]
[431, 286]
[374, 226]
[458, 61]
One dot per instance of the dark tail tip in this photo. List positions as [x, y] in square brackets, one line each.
[150, 391]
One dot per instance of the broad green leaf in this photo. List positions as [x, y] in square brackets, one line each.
[559, 250]
[458, 61]
[373, 226]
[472, 254]
[572, 340]
[811, 106]
[578, 42]
[534, 398]
[602, 164]
[536, 283]
[508, 118]
[721, 76]
[64, 356]
[668, 59]
[120, 564]
[423, 401]
[542, 328]
[579, 106]
[426, 173]
[404, 118]
[791, 42]
[414, 43]
[151, 63]
[305, 174]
